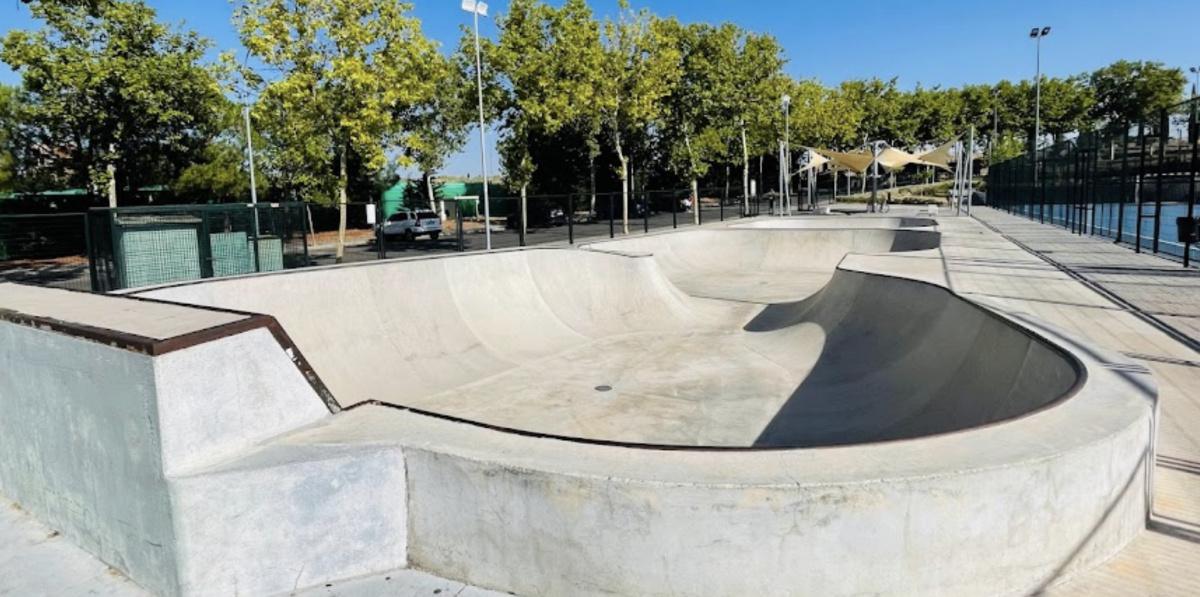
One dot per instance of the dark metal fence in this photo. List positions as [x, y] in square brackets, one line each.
[108, 249]
[1133, 182]
[142, 246]
[45, 249]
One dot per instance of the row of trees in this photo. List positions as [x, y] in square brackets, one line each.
[343, 91]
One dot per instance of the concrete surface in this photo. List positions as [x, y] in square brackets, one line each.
[1047, 475]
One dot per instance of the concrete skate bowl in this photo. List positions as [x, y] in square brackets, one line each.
[565, 422]
[768, 265]
[603, 347]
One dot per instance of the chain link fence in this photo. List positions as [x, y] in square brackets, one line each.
[1133, 182]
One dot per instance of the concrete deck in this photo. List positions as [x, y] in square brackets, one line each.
[984, 265]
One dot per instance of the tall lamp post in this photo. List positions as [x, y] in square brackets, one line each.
[1195, 70]
[478, 9]
[1037, 33]
[787, 154]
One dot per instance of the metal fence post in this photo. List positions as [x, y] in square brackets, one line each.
[458, 217]
[645, 212]
[1139, 182]
[1163, 129]
[611, 229]
[254, 220]
[1124, 181]
[1194, 171]
[570, 219]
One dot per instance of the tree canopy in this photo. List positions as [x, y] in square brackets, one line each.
[111, 92]
[344, 92]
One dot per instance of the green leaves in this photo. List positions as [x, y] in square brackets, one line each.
[105, 84]
[1127, 91]
[348, 77]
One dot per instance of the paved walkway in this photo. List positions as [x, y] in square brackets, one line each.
[1141, 305]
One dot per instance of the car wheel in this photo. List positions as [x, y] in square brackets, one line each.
[434, 235]
[409, 236]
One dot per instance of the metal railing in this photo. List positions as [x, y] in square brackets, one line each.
[1133, 182]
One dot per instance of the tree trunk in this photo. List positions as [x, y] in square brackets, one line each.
[624, 184]
[429, 191]
[592, 175]
[695, 202]
[745, 173]
[725, 194]
[340, 251]
[112, 177]
[760, 173]
[624, 195]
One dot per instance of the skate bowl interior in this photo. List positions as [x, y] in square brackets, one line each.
[632, 347]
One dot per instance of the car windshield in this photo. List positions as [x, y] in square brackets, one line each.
[427, 215]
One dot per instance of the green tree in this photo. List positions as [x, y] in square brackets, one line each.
[113, 98]
[697, 124]
[1066, 105]
[8, 126]
[440, 126]
[881, 108]
[1126, 92]
[758, 85]
[349, 71]
[638, 71]
[547, 62]
[221, 172]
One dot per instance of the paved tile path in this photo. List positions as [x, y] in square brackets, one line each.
[1144, 306]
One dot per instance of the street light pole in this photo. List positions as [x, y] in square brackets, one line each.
[1195, 70]
[787, 153]
[478, 9]
[1037, 33]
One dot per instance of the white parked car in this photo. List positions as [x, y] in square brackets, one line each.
[409, 224]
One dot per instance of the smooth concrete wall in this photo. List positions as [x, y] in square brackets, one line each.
[449, 320]
[903, 359]
[711, 251]
[283, 517]
[80, 448]
[156, 465]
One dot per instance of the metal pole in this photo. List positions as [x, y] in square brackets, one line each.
[1163, 123]
[874, 173]
[487, 208]
[253, 186]
[1194, 133]
[970, 167]
[787, 152]
[1037, 104]
[1124, 181]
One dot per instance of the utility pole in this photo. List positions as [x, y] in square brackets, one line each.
[250, 159]
[970, 186]
[1037, 33]
[478, 9]
[787, 152]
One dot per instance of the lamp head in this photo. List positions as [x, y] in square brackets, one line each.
[473, 6]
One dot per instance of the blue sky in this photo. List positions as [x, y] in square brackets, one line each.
[933, 42]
